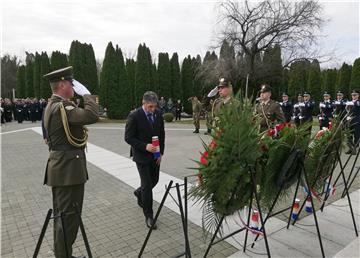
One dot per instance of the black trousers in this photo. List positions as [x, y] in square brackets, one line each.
[149, 176]
[63, 199]
[177, 116]
[354, 136]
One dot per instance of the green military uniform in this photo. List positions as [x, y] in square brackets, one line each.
[217, 105]
[208, 115]
[196, 108]
[270, 112]
[66, 170]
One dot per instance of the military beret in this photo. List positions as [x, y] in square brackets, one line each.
[265, 88]
[60, 75]
[306, 93]
[339, 93]
[354, 92]
[326, 93]
[223, 82]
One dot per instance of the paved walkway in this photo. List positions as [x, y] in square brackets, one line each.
[110, 209]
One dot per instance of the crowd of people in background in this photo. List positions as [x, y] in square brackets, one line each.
[18, 109]
[170, 107]
[301, 111]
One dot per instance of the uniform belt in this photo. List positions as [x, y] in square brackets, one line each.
[64, 147]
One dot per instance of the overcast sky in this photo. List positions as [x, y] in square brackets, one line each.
[186, 27]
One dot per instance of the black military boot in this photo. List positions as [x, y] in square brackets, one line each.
[196, 131]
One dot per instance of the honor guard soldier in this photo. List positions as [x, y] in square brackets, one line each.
[353, 108]
[306, 109]
[326, 111]
[297, 110]
[286, 107]
[225, 91]
[19, 108]
[269, 110]
[66, 171]
[339, 105]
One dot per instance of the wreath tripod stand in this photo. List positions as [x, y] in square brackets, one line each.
[62, 216]
[327, 194]
[257, 200]
[183, 214]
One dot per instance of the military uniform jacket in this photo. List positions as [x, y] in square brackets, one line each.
[339, 108]
[217, 106]
[67, 164]
[326, 110]
[269, 112]
[355, 113]
[306, 109]
[286, 107]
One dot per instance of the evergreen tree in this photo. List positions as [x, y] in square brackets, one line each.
[45, 91]
[130, 71]
[82, 59]
[314, 80]
[154, 80]
[142, 73]
[76, 60]
[37, 76]
[298, 77]
[58, 60]
[29, 75]
[210, 79]
[119, 104]
[329, 81]
[20, 82]
[343, 79]
[164, 74]
[198, 85]
[175, 78]
[187, 82]
[227, 51]
[90, 69]
[355, 75]
[109, 76]
[285, 82]
[273, 69]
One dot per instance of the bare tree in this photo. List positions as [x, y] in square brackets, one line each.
[253, 27]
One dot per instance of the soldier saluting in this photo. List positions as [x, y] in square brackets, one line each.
[66, 171]
[269, 110]
[225, 91]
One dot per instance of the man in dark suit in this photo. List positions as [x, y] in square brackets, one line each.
[142, 124]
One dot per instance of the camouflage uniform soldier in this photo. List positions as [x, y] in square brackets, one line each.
[66, 171]
[196, 108]
[269, 110]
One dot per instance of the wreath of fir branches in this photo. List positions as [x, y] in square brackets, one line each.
[224, 169]
[322, 154]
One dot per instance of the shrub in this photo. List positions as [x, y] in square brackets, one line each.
[168, 117]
